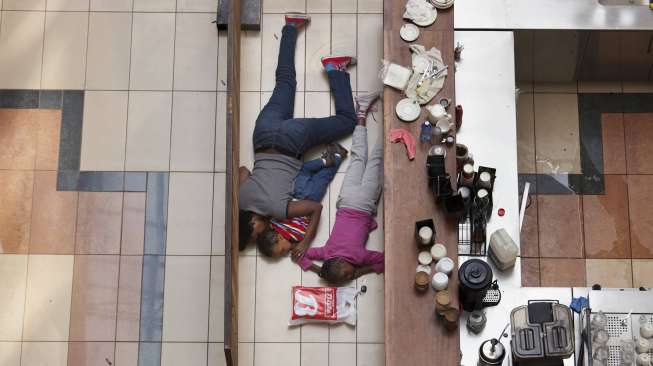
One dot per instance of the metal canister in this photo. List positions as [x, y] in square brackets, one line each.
[491, 353]
[475, 278]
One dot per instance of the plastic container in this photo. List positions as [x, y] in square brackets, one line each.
[642, 345]
[503, 251]
[643, 359]
[440, 281]
[424, 258]
[438, 251]
[445, 265]
[423, 268]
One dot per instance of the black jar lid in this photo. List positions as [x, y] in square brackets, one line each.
[475, 274]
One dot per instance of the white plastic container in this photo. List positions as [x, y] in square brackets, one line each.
[440, 281]
[423, 268]
[424, 258]
[438, 251]
[642, 345]
[445, 265]
[503, 249]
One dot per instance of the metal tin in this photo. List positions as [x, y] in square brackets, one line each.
[491, 353]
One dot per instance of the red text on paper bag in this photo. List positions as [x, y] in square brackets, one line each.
[317, 303]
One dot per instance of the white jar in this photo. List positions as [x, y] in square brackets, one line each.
[423, 268]
[642, 345]
[425, 234]
[445, 265]
[643, 359]
[424, 258]
[438, 251]
[440, 281]
[646, 330]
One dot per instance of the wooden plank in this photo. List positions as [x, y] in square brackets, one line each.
[414, 334]
[250, 14]
[231, 197]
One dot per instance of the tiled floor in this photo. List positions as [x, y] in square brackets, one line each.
[574, 238]
[127, 268]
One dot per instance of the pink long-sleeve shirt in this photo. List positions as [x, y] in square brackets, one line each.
[347, 241]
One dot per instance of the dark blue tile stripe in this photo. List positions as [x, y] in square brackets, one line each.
[149, 354]
[19, 98]
[50, 99]
[101, 181]
[135, 181]
[156, 213]
[71, 130]
[151, 323]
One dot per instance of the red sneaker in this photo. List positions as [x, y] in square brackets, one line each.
[297, 20]
[338, 62]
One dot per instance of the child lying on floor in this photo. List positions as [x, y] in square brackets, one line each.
[344, 254]
[311, 183]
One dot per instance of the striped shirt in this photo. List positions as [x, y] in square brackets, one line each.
[293, 229]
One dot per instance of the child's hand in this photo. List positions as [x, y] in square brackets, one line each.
[299, 251]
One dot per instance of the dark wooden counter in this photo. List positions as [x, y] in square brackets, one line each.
[414, 334]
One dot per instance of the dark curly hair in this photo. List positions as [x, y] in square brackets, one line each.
[266, 240]
[245, 228]
[332, 270]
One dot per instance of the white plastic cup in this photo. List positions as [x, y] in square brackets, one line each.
[425, 234]
[424, 258]
[642, 345]
[438, 251]
[440, 281]
[423, 268]
[445, 265]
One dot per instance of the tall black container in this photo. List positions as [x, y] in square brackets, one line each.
[475, 278]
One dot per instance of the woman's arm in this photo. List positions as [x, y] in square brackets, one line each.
[311, 209]
[243, 174]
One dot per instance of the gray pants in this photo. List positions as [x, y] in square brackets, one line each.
[363, 182]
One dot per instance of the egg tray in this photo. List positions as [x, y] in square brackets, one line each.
[619, 330]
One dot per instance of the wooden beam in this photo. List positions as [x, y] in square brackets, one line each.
[250, 14]
[231, 199]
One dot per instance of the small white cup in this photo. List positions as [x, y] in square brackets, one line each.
[445, 265]
[440, 281]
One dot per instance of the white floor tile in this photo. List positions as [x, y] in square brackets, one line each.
[221, 133]
[222, 60]
[109, 52]
[148, 131]
[343, 41]
[21, 42]
[271, 39]
[318, 6]
[525, 134]
[49, 290]
[343, 6]
[276, 354]
[13, 271]
[315, 354]
[112, 5]
[219, 192]
[315, 332]
[283, 6]
[188, 354]
[155, 5]
[370, 40]
[186, 299]
[216, 355]
[64, 50]
[196, 52]
[216, 308]
[44, 353]
[556, 133]
[370, 6]
[371, 354]
[152, 52]
[371, 309]
[342, 354]
[193, 124]
[10, 353]
[273, 279]
[246, 297]
[23, 5]
[189, 214]
[126, 354]
[246, 354]
[208, 6]
[318, 45]
[250, 61]
[105, 130]
[67, 5]
[249, 109]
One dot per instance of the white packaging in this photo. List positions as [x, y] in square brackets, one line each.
[395, 75]
[323, 305]
[503, 249]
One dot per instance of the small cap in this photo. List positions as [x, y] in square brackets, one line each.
[465, 192]
[423, 268]
[485, 177]
[445, 265]
[439, 281]
[468, 169]
[481, 193]
[501, 212]
[424, 258]
[438, 251]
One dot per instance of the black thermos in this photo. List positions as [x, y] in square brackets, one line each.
[475, 277]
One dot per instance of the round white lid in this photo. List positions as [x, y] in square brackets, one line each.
[485, 177]
[423, 268]
[445, 265]
[407, 110]
[409, 32]
[468, 169]
[424, 258]
[438, 251]
[439, 281]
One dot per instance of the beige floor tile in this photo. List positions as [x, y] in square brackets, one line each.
[109, 52]
[614, 273]
[64, 50]
[342, 354]
[16, 188]
[155, 5]
[99, 216]
[221, 133]
[643, 273]
[105, 130]
[525, 134]
[316, 332]
[557, 140]
[13, 271]
[186, 304]
[344, 42]
[271, 38]
[193, 131]
[370, 6]
[91, 353]
[370, 45]
[219, 191]
[599, 87]
[44, 353]
[148, 131]
[10, 353]
[277, 354]
[196, 52]
[250, 106]
[129, 298]
[189, 214]
[47, 306]
[190, 354]
[272, 309]
[637, 87]
[246, 297]
[318, 6]
[207, 6]
[370, 355]
[371, 309]
[111, 5]
[21, 42]
[318, 45]
[314, 354]
[152, 51]
[222, 60]
[250, 66]
[67, 5]
[23, 5]
[375, 240]
[283, 6]
[343, 6]
[216, 355]
[541, 87]
[133, 223]
[48, 122]
[127, 354]
[18, 140]
[216, 307]
[246, 354]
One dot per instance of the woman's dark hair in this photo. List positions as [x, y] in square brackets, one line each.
[266, 240]
[245, 228]
[332, 270]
